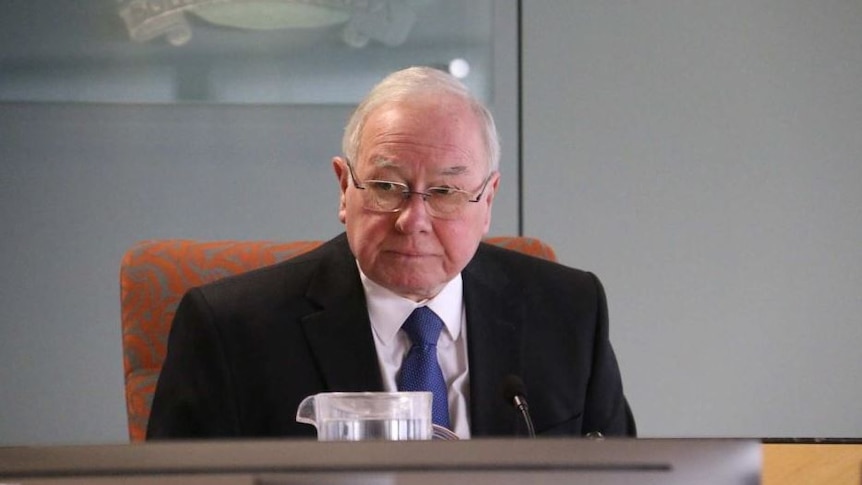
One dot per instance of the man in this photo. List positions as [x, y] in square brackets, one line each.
[418, 180]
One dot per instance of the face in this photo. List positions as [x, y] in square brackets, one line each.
[422, 143]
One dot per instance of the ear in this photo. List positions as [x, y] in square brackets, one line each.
[490, 192]
[339, 165]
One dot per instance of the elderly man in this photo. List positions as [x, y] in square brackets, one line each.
[418, 180]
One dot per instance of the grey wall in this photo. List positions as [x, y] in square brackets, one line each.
[705, 160]
[81, 184]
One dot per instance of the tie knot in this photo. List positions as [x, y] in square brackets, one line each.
[423, 326]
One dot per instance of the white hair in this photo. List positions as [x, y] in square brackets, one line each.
[423, 81]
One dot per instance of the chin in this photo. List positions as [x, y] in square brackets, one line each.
[414, 290]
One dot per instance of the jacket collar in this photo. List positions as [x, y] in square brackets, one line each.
[493, 328]
[339, 332]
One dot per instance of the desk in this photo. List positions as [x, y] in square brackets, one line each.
[474, 462]
[503, 461]
[812, 464]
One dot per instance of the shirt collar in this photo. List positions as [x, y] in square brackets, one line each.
[388, 310]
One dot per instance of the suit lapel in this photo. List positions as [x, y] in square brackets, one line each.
[493, 330]
[339, 334]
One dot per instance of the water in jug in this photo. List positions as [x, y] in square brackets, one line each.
[359, 416]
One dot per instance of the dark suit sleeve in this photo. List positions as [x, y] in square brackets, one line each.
[606, 409]
[192, 395]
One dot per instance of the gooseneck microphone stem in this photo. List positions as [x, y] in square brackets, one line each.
[521, 403]
[515, 394]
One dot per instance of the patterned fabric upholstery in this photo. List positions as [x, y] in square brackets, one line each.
[154, 275]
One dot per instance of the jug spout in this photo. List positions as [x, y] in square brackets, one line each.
[307, 411]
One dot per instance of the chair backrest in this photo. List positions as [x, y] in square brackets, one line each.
[154, 275]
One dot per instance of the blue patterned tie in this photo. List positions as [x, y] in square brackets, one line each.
[420, 370]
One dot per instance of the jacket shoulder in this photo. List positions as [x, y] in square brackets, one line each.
[281, 281]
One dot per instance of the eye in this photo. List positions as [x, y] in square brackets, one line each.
[386, 186]
[443, 192]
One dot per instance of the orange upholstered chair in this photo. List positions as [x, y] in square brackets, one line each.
[154, 275]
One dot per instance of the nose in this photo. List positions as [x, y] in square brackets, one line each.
[413, 216]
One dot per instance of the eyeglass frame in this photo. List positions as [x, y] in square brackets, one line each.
[425, 195]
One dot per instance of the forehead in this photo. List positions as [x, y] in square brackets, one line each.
[439, 131]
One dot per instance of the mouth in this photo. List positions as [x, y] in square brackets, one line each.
[409, 254]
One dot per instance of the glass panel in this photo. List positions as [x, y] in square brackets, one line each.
[233, 51]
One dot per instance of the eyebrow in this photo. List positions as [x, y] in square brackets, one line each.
[383, 162]
[457, 170]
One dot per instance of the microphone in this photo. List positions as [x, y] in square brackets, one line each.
[515, 394]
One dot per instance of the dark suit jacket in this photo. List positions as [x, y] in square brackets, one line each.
[244, 351]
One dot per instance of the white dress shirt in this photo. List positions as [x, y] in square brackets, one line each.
[388, 312]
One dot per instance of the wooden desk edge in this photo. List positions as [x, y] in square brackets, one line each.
[812, 464]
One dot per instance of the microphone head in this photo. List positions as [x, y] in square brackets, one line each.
[513, 387]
